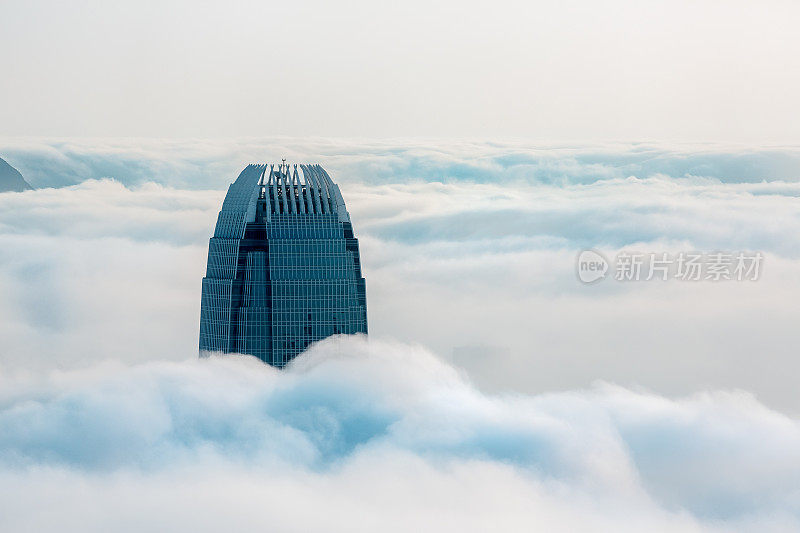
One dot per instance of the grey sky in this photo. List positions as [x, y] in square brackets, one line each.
[723, 71]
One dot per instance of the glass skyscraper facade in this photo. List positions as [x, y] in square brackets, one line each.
[283, 266]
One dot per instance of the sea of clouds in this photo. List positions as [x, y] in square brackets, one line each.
[497, 391]
[371, 435]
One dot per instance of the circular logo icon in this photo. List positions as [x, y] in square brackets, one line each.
[592, 266]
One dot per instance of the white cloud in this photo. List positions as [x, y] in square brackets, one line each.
[483, 273]
[371, 435]
[204, 164]
[468, 248]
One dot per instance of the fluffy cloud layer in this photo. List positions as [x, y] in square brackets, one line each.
[364, 435]
[468, 249]
[483, 273]
[196, 164]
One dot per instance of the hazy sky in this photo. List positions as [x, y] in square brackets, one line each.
[722, 71]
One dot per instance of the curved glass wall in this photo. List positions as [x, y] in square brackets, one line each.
[283, 266]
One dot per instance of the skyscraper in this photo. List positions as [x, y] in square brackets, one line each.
[283, 266]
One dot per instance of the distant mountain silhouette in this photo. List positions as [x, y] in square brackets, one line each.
[11, 179]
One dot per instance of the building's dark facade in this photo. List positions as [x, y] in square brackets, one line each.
[283, 266]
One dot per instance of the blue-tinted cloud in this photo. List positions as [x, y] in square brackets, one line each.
[480, 272]
[198, 164]
[468, 248]
[350, 415]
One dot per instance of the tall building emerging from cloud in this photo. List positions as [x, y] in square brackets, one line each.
[283, 266]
